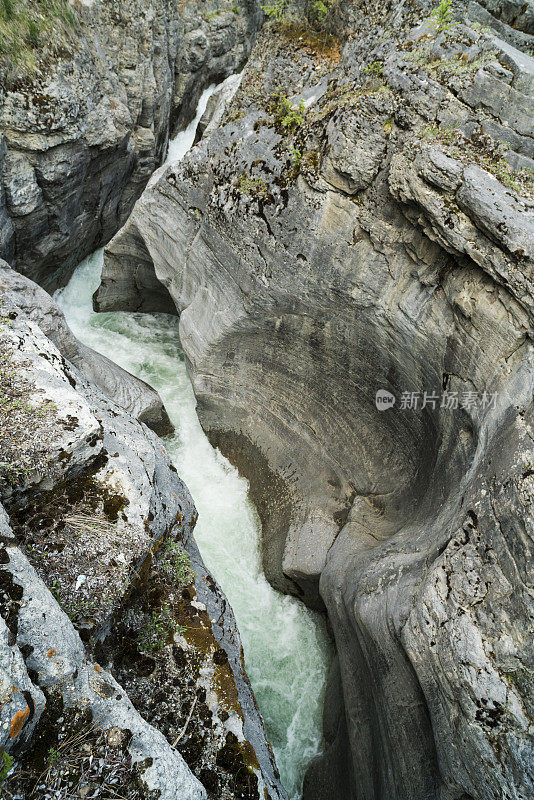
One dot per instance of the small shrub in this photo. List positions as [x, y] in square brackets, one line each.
[286, 115]
[442, 17]
[319, 11]
[52, 756]
[158, 630]
[6, 765]
[252, 186]
[175, 564]
[279, 11]
[296, 155]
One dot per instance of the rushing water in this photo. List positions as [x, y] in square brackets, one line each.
[286, 646]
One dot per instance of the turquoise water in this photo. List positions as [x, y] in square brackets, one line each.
[287, 650]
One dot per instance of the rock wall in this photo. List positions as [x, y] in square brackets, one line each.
[120, 660]
[130, 393]
[377, 237]
[81, 133]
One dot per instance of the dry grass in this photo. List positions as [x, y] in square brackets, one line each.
[83, 522]
[314, 43]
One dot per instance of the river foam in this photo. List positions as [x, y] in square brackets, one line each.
[286, 646]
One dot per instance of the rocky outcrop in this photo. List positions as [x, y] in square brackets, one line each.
[120, 660]
[353, 275]
[82, 131]
[80, 692]
[130, 393]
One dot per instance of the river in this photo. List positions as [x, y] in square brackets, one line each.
[286, 646]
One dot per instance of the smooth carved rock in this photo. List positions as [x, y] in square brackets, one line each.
[301, 293]
[132, 394]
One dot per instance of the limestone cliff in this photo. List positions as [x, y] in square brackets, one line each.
[361, 225]
[84, 126]
[121, 665]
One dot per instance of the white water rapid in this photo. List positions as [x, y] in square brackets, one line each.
[287, 651]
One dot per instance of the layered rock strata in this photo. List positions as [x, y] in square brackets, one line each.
[361, 225]
[120, 660]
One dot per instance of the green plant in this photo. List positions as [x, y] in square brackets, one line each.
[485, 151]
[211, 14]
[158, 629]
[442, 20]
[6, 765]
[24, 24]
[476, 26]
[253, 186]
[33, 33]
[296, 155]
[319, 11]
[278, 10]
[235, 9]
[286, 115]
[444, 68]
[175, 564]
[374, 68]
[54, 587]
[7, 8]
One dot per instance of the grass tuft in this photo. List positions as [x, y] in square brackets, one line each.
[31, 30]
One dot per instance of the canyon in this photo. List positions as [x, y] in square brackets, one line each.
[356, 222]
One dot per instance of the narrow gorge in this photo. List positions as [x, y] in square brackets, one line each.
[309, 231]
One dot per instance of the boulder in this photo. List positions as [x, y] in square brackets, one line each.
[132, 394]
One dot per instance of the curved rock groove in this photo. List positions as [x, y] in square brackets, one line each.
[390, 260]
[286, 647]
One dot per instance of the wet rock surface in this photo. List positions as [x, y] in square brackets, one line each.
[375, 236]
[111, 625]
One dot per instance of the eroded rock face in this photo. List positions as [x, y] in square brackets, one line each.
[378, 240]
[74, 687]
[82, 133]
[108, 612]
[132, 394]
